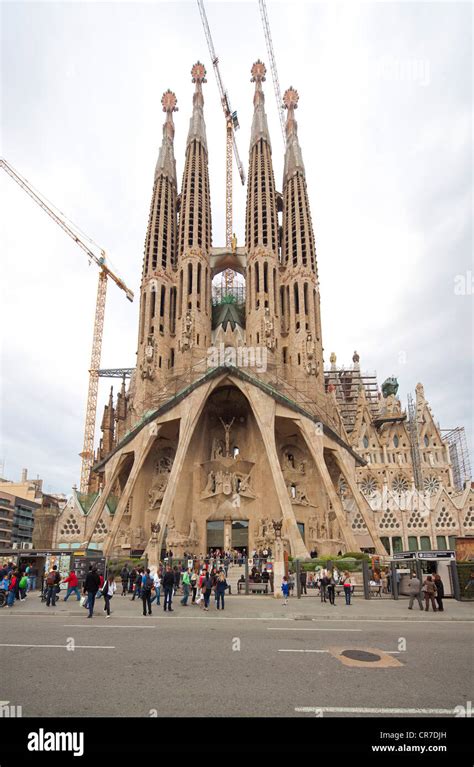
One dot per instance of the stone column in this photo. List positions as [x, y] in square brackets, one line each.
[227, 533]
[278, 568]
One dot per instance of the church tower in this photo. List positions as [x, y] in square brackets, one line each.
[261, 232]
[157, 328]
[194, 240]
[302, 353]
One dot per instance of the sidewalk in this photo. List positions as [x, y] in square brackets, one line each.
[261, 607]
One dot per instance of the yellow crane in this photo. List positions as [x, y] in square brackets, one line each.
[232, 124]
[105, 272]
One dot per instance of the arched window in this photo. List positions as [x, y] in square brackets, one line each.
[395, 441]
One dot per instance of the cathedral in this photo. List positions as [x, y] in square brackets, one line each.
[232, 430]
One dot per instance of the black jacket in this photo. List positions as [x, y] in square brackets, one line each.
[92, 582]
[168, 580]
[439, 588]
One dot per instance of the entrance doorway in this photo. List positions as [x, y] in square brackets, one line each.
[215, 534]
[240, 535]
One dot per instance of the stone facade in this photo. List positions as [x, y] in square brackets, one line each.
[197, 453]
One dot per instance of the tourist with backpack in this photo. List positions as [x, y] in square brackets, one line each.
[53, 580]
[22, 586]
[186, 585]
[146, 587]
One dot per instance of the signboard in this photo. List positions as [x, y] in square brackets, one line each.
[190, 564]
[435, 554]
[465, 549]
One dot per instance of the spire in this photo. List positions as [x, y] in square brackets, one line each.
[259, 122]
[293, 156]
[197, 126]
[166, 164]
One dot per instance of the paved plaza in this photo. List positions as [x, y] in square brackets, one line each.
[257, 658]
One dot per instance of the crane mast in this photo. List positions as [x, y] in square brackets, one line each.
[87, 453]
[232, 124]
[273, 67]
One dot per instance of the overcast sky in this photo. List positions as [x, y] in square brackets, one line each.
[385, 125]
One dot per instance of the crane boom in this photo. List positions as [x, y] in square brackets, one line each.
[273, 67]
[87, 454]
[232, 124]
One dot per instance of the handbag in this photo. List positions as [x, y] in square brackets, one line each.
[84, 601]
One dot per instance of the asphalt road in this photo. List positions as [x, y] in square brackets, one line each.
[235, 663]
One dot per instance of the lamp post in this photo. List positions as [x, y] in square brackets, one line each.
[278, 563]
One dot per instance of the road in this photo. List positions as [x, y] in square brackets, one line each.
[251, 660]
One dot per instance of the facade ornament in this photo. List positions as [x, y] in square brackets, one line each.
[227, 428]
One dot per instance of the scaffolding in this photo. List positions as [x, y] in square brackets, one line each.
[348, 382]
[459, 455]
[414, 443]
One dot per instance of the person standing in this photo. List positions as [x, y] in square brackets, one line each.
[347, 583]
[194, 582]
[429, 590]
[221, 587]
[124, 575]
[323, 585]
[303, 580]
[132, 576]
[168, 584]
[157, 587]
[331, 588]
[177, 578]
[72, 586]
[32, 575]
[146, 586]
[138, 583]
[52, 581]
[12, 579]
[108, 591]
[439, 592]
[285, 590]
[186, 586]
[206, 589]
[22, 586]
[414, 588]
[91, 587]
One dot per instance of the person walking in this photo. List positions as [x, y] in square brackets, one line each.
[194, 582]
[168, 584]
[331, 589]
[137, 582]
[52, 582]
[22, 586]
[186, 586]
[221, 587]
[132, 576]
[72, 586]
[177, 578]
[157, 587]
[439, 592]
[12, 579]
[108, 590]
[429, 590]
[414, 589]
[323, 586]
[303, 580]
[206, 589]
[285, 590]
[124, 575]
[91, 587]
[146, 587]
[347, 583]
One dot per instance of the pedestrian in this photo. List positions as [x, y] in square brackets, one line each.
[347, 583]
[146, 587]
[331, 589]
[52, 581]
[132, 576]
[72, 586]
[12, 579]
[177, 578]
[186, 586]
[124, 576]
[414, 589]
[157, 587]
[221, 587]
[206, 589]
[323, 585]
[194, 582]
[303, 579]
[32, 576]
[439, 592]
[429, 590]
[108, 590]
[91, 587]
[168, 583]
[285, 590]
[22, 586]
[137, 584]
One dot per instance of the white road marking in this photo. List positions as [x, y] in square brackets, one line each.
[303, 650]
[354, 710]
[64, 646]
[284, 628]
[103, 626]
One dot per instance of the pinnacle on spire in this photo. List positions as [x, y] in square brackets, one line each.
[259, 122]
[166, 163]
[197, 126]
[293, 156]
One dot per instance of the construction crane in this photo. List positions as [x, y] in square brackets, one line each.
[105, 272]
[232, 124]
[273, 67]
